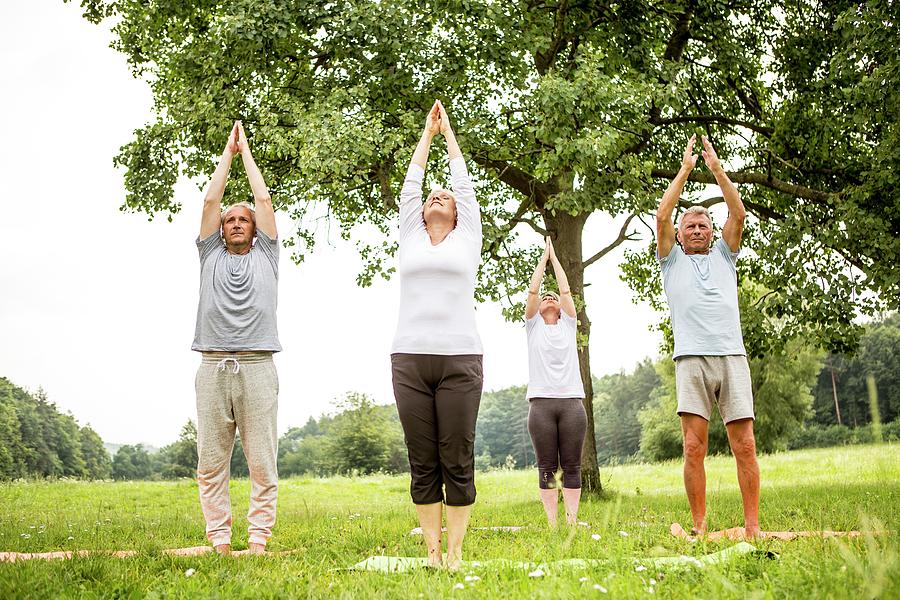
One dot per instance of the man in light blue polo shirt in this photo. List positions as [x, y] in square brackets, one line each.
[710, 361]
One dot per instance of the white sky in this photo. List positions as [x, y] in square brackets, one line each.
[98, 306]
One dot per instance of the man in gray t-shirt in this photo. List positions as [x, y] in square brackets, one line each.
[710, 361]
[236, 384]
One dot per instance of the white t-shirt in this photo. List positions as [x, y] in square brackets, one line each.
[437, 283]
[553, 370]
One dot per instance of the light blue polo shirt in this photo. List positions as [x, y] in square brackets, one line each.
[702, 294]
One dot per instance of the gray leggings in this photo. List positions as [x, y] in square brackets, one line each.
[557, 427]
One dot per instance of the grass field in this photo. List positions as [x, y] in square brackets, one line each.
[334, 523]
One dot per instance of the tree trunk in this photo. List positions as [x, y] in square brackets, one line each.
[837, 408]
[565, 231]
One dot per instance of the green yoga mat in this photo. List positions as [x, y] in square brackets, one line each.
[402, 564]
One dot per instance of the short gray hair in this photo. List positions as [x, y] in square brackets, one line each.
[246, 205]
[697, 210]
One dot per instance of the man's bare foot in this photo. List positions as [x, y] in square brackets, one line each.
[256, 548]
[223, 549]
[699, 529]
[753, 533]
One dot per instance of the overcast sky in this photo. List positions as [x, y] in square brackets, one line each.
[98, 306]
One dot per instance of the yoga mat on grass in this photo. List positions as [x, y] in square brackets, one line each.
[403, 564]
[737, 533]
[507, 528]
[67, 554]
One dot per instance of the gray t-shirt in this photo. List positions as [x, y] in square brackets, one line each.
[238, 297]
[702, 294]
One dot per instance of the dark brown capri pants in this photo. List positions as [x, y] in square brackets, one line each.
[557, 427]
[437, 399]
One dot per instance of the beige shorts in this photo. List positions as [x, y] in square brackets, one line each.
[701, 381]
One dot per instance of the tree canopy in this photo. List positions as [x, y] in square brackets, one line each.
[568, 109]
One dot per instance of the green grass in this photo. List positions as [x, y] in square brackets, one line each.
[336, 522]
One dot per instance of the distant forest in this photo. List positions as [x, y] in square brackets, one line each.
[804, 397]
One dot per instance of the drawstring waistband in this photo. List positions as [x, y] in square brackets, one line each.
[221, 361]
[221, 365]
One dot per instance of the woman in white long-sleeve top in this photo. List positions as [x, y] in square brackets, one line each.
[556, 417]
[436, 353]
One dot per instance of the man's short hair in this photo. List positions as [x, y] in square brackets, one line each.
[696, 210]
[246, 205]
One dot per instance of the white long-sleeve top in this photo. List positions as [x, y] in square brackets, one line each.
[437, 283]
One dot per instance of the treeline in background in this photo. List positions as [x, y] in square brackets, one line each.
[804, 398]
[36, 440]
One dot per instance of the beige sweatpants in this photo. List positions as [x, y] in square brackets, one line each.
[237, 391]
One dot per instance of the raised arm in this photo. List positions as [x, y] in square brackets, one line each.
[665, 229]
[210, 221]
[734, 225]
[453, 150]
[467, 209]
[534, 288]
[566, 302]
[432, 128]
[265, 212]
[411, 192]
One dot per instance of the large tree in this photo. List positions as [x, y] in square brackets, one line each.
[568, 108]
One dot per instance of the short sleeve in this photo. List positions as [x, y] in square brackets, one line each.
[667, 261]
[722, 246]
[269, 247]
[209, 245]
[530, 323]
[570, 322]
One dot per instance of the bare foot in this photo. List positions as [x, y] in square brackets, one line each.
[435, 560]
[255, 548]
[223, 549]
[454, 561]
[699, 529]
[753, 533]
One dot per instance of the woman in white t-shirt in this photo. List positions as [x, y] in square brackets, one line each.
[436, 354]
[556, 417]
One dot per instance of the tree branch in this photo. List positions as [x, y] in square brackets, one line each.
[757, 209]
[525, 183]
[761, 179]
[762, 129]
[621, 238]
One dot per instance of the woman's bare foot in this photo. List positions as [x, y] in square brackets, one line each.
[454, 561]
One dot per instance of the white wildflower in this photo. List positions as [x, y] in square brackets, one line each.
[459, 586]
[536, 573]
[583, 579]
[472, 578]
[595, 536]
[600, 588]
[189, 572]
[640, 568]
[623, 533]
